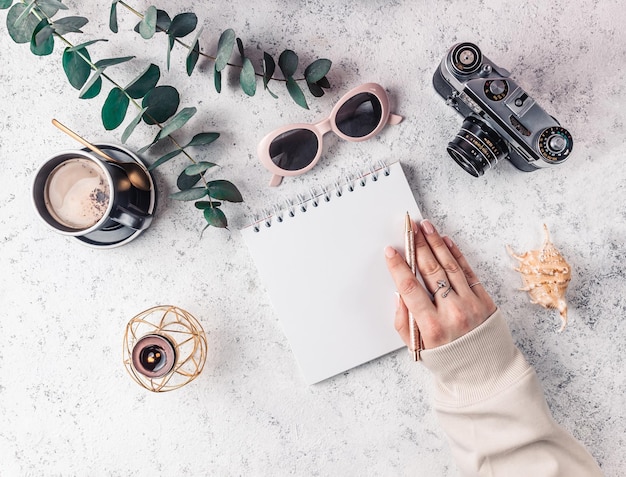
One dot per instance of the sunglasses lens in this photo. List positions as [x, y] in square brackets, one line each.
[360, 115]
[294, 150]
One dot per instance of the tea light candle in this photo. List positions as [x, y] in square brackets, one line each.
[153, 356]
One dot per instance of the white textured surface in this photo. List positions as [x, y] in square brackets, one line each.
[67, 406]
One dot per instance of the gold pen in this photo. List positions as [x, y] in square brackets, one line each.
[411, 260]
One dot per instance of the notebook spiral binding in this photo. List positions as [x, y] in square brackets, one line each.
[290, 207]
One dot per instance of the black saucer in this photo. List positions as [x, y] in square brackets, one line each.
[116, 234]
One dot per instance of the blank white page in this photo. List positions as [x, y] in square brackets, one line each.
[325, 272]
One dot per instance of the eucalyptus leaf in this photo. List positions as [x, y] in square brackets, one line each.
[315, 90]
[324, 83]
[69, 25]
[76, 68]
[182, 24]
[20, 32]
[84, 45]
[225, 47]
[41, 35]
[247, 78]
[199, 168]
[28, 8]
[240, 48]
[163, 20]
[205, 204]
[131, 126]
[51, 5]
[147, 26]
[4, 4]
[296, 93]
[194, 53]
[317, 70]
[202, 139]
[224, 190]
[164, 159]
[288, 63]
[217, 80]
[148, 146]
[112, 61]
[190, 194]
[177, 121]
[162, 103]
[269, 66]
[185, 181]
[145, 82]
[113, 17]
[92, 88]
[114, 109]
[215, 217]
[46, 42]
[192, 58]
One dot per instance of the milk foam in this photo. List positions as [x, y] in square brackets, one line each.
[77, 193]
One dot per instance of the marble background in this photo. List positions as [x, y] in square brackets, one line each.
[67, 406]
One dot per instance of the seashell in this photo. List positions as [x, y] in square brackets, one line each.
[545, 275]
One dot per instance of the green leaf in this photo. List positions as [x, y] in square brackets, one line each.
[296, 93]
[225, 47]
[146, 81]
[51, 6]
[113, 17]
[324, 83]
[76, 68]
[163, 20]
[217, 80]
[182, 24]
[215, 217]
[315, 90]
[198, 168]
[22, 31]
[69, 25]
[288, 63]
[224, 190]
[190, 194]
[205, 204]
[28, 9]
[317, 70]
[162, 103]
[164, 159]
[148, 146]
[247, 78]
[45, 45]
[84, 45]
[147, 26]
[269, 66]
[114, 109]
[131, 126]
[185, 181]
[201, 139]
[194, 53]
[93, 87]
[177, 121]
[112, 61]
[4, 4]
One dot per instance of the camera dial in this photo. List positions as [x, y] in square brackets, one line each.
[466, 58]
[555, 143]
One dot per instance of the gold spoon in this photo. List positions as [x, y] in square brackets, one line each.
[136, 174]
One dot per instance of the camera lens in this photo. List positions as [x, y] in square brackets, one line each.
[466, 58]
[477, 146]
[153, 356]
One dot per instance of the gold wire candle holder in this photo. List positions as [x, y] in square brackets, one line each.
[165, 348]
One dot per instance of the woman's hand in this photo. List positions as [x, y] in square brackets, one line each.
[459, 302]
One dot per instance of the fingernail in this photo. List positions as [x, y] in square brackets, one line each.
[390, 252]
[448, 242]
[427, 227]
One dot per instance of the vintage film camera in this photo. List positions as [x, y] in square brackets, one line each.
[501, 119]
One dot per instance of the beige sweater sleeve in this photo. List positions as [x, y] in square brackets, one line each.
[491, 406]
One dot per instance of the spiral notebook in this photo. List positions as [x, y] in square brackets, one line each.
[321, 260]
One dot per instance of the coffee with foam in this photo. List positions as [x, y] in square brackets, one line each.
[77, 193]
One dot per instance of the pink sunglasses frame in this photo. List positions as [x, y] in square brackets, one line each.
[321, 128]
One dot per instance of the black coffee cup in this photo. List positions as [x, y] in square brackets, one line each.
[76, 193]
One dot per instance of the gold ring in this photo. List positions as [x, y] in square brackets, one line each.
[474, 284]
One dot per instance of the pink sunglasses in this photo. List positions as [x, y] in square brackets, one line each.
[292, 150]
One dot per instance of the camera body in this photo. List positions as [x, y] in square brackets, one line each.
[501, 119]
